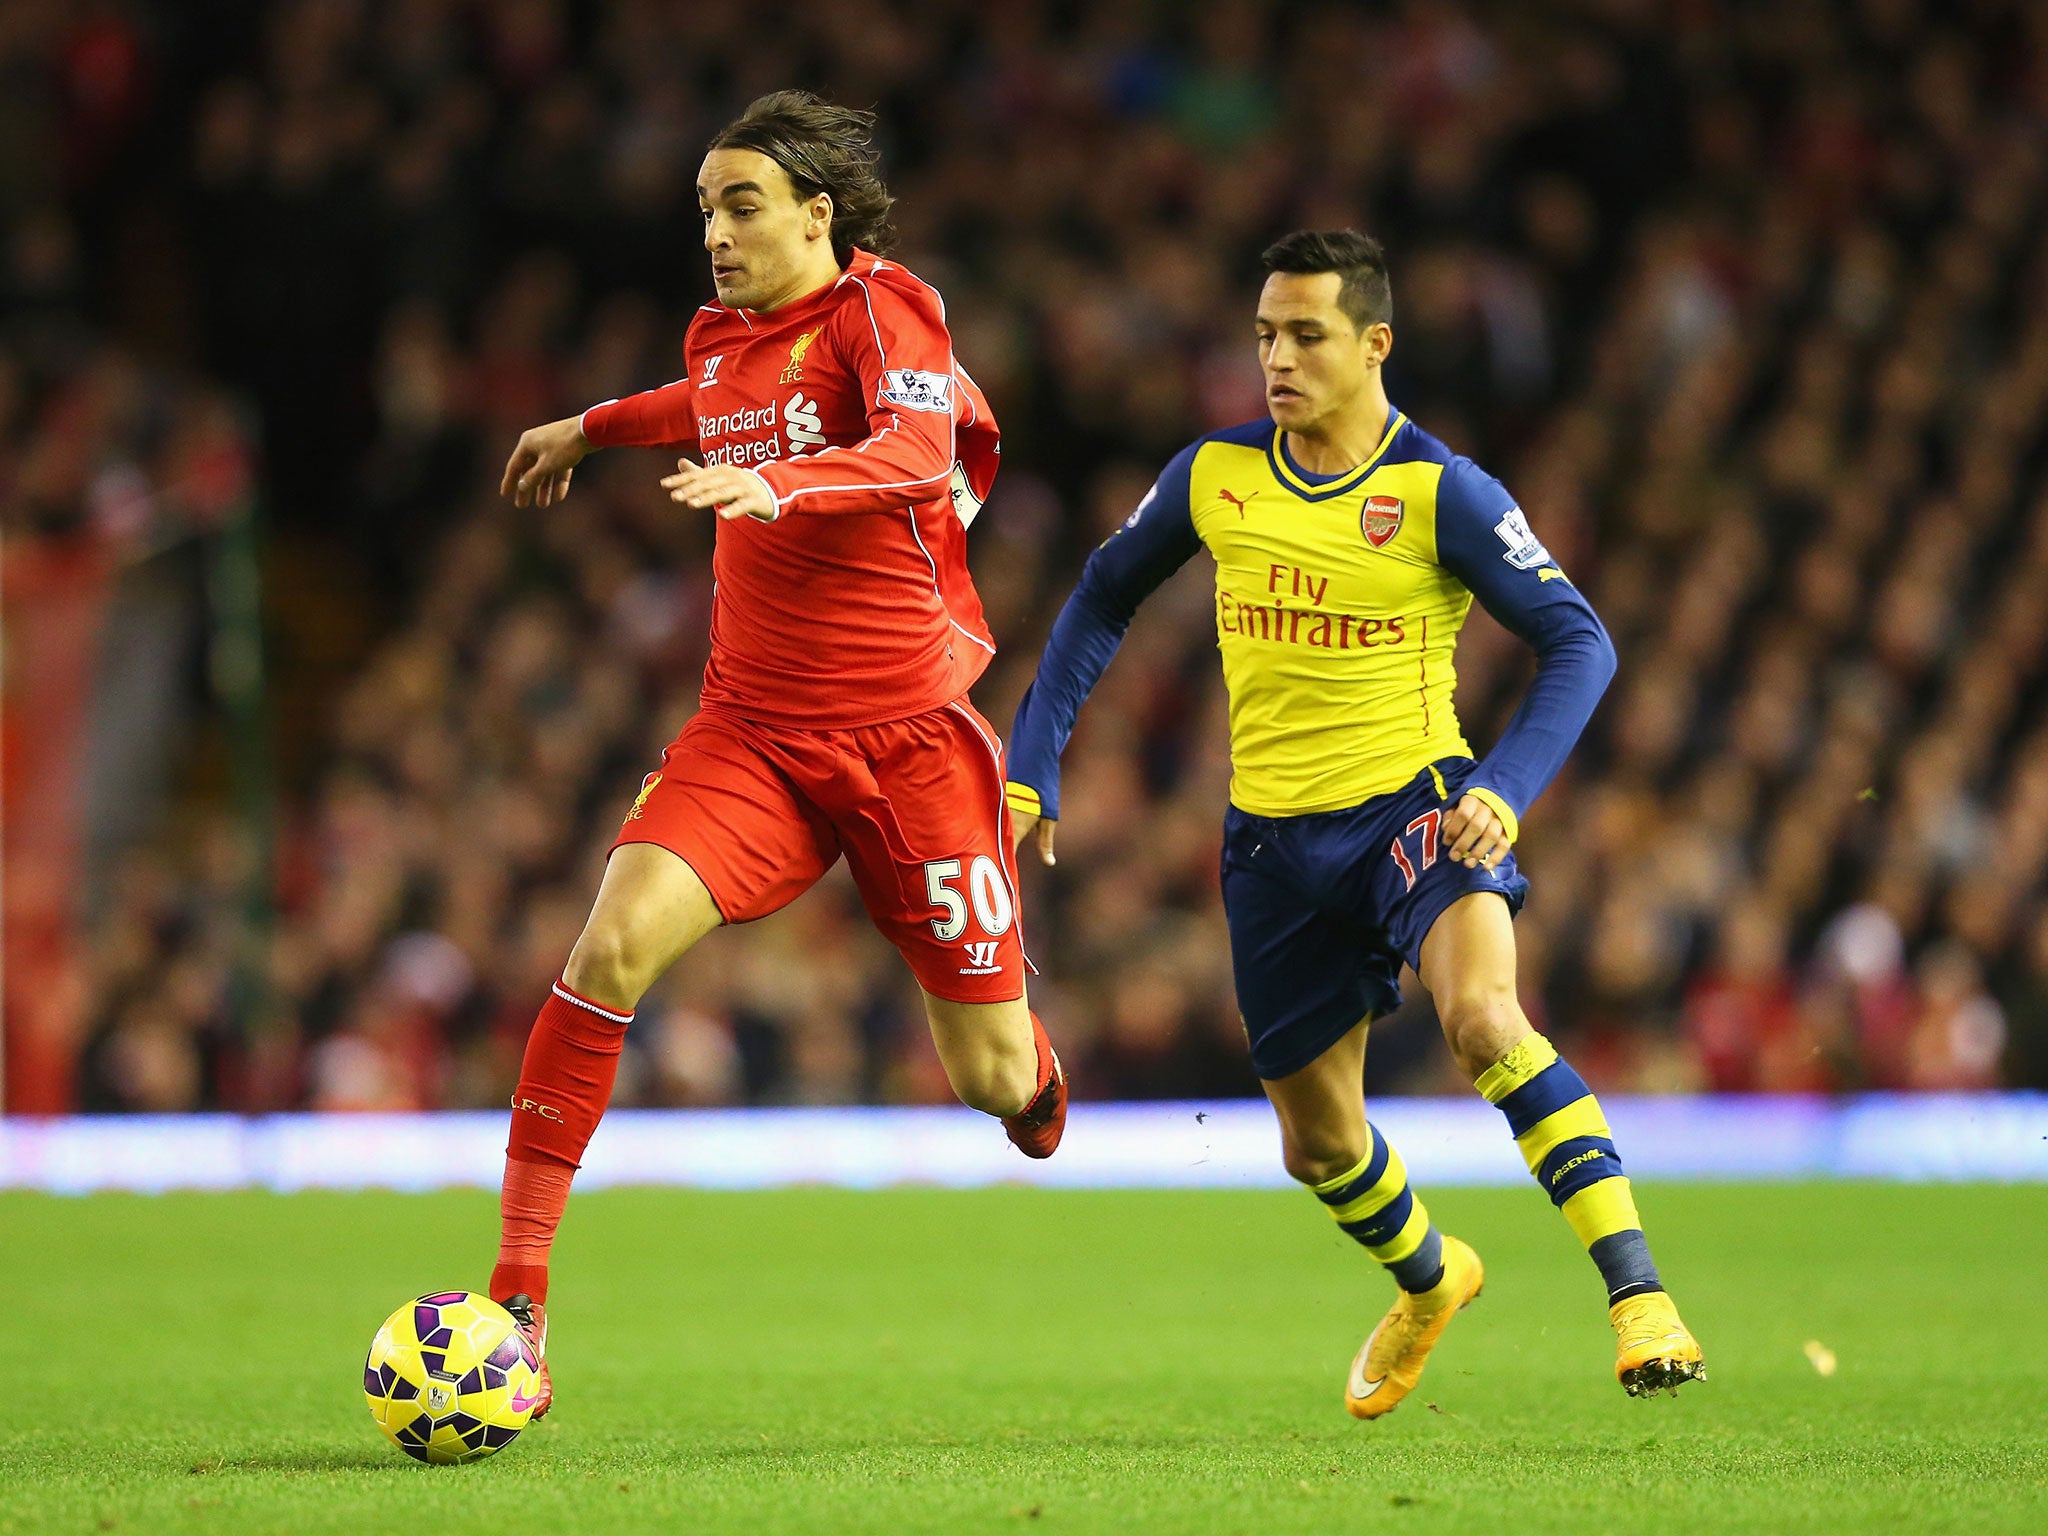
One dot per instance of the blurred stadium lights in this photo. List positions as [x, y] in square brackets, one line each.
[1170, 1145]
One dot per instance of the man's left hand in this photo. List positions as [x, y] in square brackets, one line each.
[735, 492]
[1474, 836]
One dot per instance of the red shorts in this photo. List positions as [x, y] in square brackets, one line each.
[760, 812]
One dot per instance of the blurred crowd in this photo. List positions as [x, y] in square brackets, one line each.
[1739, 297]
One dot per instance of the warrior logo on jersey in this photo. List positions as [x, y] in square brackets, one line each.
[793, 373]
[1381, 519]
[917, 390]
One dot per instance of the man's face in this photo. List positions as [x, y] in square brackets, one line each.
[758, 231]
[1315, 360]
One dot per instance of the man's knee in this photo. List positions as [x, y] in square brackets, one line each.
[611, 965]
[651, 908]
[995, 1082]
[1481, 1024]
[1313, 1155]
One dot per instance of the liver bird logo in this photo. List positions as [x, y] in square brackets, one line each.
[794, 372]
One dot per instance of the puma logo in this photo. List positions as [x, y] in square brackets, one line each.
[1235, 500]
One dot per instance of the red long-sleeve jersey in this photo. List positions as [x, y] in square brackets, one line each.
[854, 606]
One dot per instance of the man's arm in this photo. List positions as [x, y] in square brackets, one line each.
[1483, 540]
[546, 457]
[655, 418]
[1157, 540]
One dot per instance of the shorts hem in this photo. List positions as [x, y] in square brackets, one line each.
[1299, 1056]
[947, 997]
[1427, 913]
[696, 867]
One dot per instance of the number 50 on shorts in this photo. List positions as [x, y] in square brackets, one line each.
[986, 888]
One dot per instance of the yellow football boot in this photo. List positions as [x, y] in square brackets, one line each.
[1387, 1369]
[1657, 1350]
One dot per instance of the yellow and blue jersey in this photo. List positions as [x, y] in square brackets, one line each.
[1339, 599]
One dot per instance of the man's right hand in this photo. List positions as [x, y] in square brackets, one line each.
[538, 471]
[1023, 822]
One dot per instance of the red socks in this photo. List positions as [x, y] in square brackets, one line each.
[529, 1210]
[572, 1056]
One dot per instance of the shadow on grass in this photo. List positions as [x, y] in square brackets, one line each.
[304, 1462]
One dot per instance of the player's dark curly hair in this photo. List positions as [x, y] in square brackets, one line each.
[822, 148]
[1365, 296]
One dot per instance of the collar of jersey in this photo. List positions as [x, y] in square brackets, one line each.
[1297, 479]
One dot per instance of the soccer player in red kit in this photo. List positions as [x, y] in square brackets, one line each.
[823, 417]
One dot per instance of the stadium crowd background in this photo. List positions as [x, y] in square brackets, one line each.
[1741, 299]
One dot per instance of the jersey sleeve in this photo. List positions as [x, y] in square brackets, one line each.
[1484, 540]
[656, 418]
[898, 344]
[1125, 569]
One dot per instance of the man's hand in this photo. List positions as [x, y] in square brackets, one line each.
[1022, 823]
[1474, 836]
[734, 491]
[538, 471]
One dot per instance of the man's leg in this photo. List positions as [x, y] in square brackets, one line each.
[717, 816]
[650, 909]
[1328, 1144]
[1307, 976]
[989, 1051]
[919, 807]
[1468, 964]
[1000, 1061]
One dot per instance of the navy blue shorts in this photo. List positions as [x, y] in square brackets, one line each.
[1323, 909]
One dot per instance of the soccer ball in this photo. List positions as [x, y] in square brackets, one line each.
[451, 1378]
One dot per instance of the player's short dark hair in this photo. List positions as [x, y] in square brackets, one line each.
[1365, 295]
[826, 148]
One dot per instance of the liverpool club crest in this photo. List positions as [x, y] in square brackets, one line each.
[1381, 519]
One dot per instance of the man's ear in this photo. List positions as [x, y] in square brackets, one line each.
[820, 215]
[1379, 342]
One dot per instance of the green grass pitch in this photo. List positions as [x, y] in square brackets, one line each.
[1013, 1360]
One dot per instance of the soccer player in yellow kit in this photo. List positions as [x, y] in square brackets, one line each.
[1361, 833]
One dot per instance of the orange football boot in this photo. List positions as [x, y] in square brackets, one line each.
[1387, 1369]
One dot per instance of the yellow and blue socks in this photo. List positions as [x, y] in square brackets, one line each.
[1373, 1203]
[1564, 1139]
